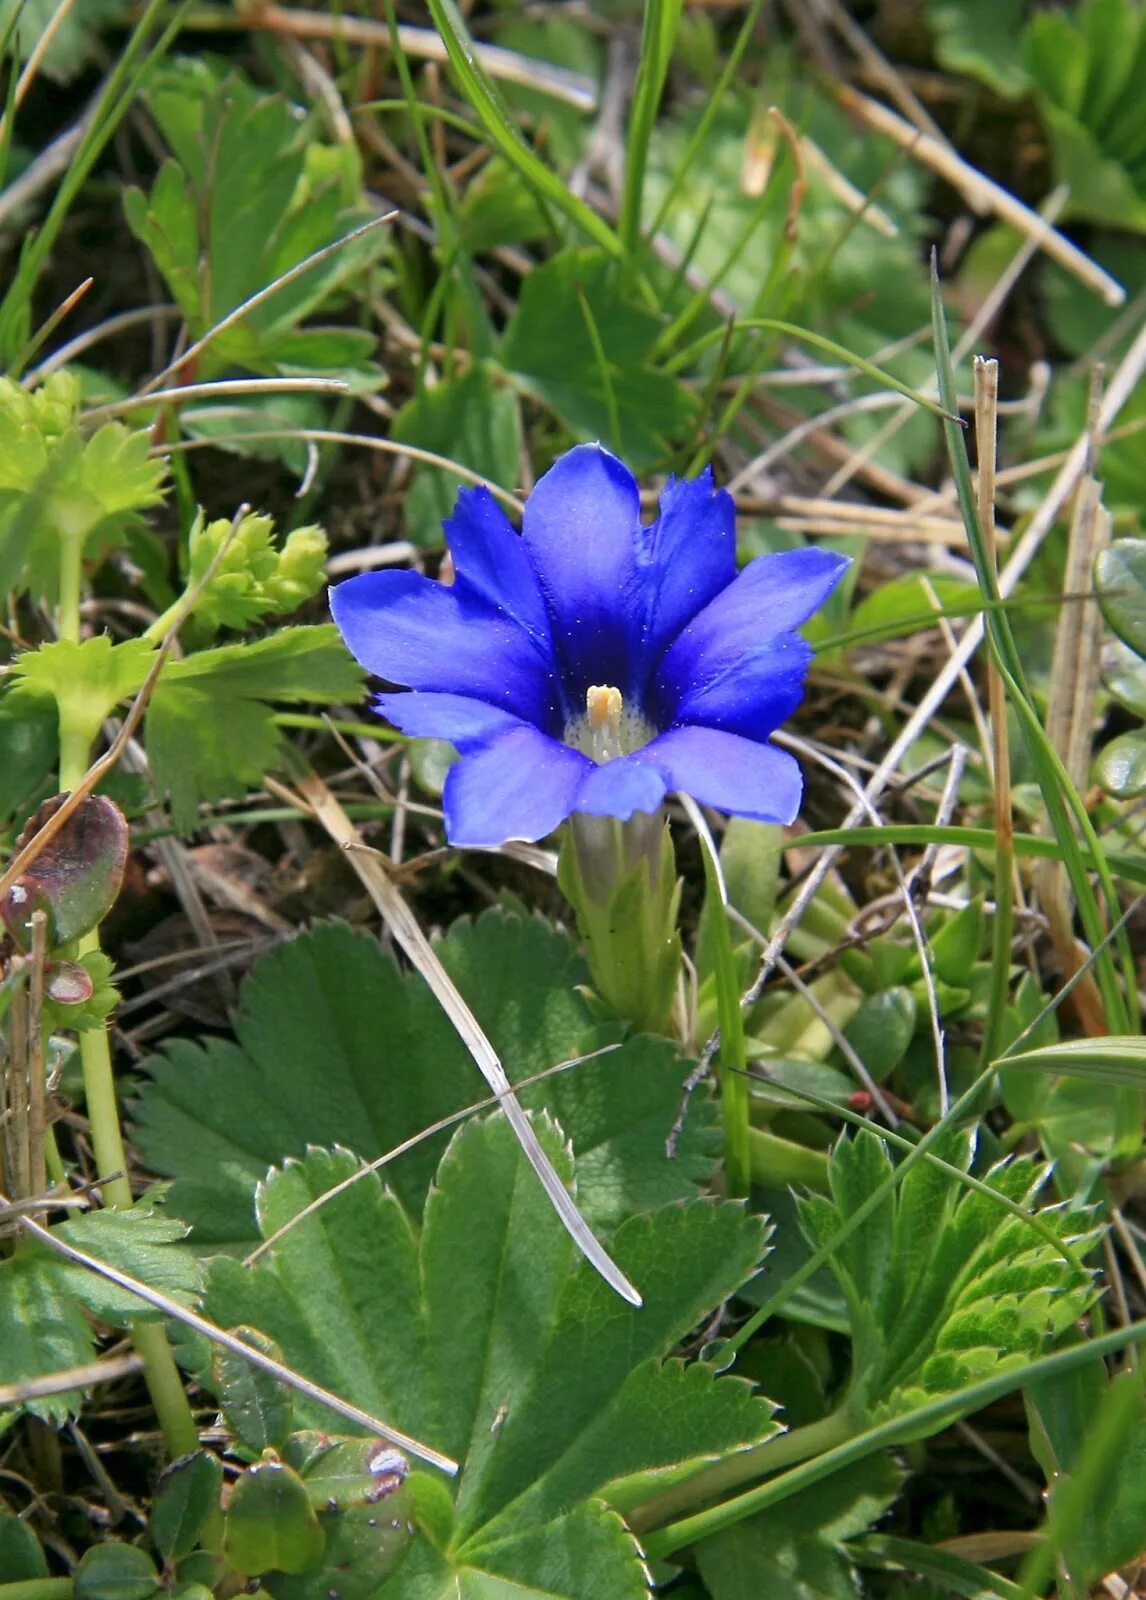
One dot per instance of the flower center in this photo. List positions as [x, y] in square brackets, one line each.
[608, 727]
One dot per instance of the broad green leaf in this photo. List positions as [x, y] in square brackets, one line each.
[1063, 1412]
[115, 1571]
[312, 1066]
[270, 1522]
[981, 38]
[210, 726]
[186, 1496]
[548, 347]
[1121, 766]
[882, 1028]
[488, 1335]
[249, 194]
[1120, 578]
[88, 680]
[943, 1286]
[469, 419]
[29, 742]
[796, 1550]
[1114, 1061]
[365, 1508]
[1086, 67]
[21, 1555]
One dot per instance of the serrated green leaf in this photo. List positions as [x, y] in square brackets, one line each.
[981, 38]
[42, 1330]
[86, 680]
[257, 1408]
[249, 194]
[489, 1335]
[312, 1066]
[210, 726]
[943, 1286]
[140, 1241]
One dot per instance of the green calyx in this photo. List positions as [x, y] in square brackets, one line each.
[620, 878]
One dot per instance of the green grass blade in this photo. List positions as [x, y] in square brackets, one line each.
[122, 85]
[1059, 793]
[1130, 868]
[818, 341]
[950, 1573]
[504, 134]
[662, 18]
[1117, 1060]
[918, 1424]
[733, 1058]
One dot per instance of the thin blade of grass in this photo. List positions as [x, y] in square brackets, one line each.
[1117, 1060]
[1058, 791]
[662, 18]
[818, 341]
[503, 132]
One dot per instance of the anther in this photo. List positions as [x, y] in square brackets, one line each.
[604, 707]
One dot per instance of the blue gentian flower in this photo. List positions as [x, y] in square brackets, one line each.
[591, 663]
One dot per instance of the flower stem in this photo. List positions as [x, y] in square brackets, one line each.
[620, 878]
[160, 1372]
[742, 1467]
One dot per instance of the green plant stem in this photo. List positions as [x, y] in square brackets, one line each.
[919, 1424]
[774, 1455]
[160, 1372]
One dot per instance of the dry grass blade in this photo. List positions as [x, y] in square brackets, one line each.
[87, 1376]
[981, 194]
[404, 926]
[229, 1341]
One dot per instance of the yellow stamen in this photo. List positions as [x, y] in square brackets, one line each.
[604, 707]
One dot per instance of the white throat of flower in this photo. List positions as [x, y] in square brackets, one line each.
[608, 727]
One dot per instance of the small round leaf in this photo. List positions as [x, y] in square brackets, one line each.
[116, 1572]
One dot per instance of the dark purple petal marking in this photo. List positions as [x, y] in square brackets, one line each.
[410, 630]
[581, 528]
[728, 772]
[520, 787]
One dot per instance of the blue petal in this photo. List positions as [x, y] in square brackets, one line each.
[773, 595]
[618, 788]
[691, 555]
[730, 773]
[753, 696]
[582, 529]
[409, 630]
[470, 724]
[492, 562]
[521, 787]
